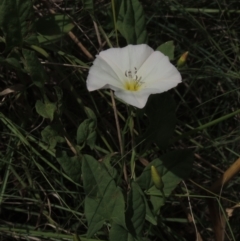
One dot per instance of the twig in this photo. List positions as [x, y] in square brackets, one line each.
[98, 34]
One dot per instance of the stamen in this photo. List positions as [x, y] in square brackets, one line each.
[130, 74]
[134, 81]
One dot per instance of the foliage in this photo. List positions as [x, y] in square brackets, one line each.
[64, 174]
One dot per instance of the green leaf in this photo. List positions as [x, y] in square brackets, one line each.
[173, 168]
[45, 110]
[50, 134]
[34, 68]
[53, 27]
[118, 233]
[156, 201]
[90, 114]
[111, 157]
[160, 110]
[167, 49]
[86, 133]
[40, 50]
[71, 165]
[70, 58]
[149, 215]
[12, 62]
[136, 211]
[131, 22]
[16, 22]
[104, 200]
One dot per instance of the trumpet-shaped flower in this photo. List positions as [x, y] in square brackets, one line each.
[133, 73]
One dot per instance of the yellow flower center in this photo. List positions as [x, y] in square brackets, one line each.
[133, 82]
[132, 85]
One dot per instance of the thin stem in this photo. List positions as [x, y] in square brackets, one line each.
[105, 36]
[204, 10]
[133, 163]
[114, 19]
[117, 122]
[131, 128]
[191, 211]
[119, 134]
[205, 126]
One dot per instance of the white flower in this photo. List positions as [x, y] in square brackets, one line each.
[133, 72]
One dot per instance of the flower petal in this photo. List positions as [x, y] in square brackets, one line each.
[134, 98]
[158, 73]
[127, 58]
[100, 75]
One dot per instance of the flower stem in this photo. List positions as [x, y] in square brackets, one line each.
[114, 19]
[117, 122]
[132, 163]
[131, 128]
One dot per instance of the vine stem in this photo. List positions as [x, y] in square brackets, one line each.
[119, 134]
[117, 123]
